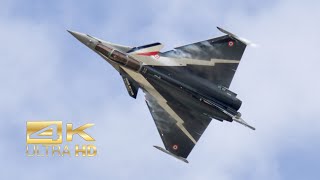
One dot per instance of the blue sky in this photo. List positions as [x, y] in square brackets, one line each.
[47, 75]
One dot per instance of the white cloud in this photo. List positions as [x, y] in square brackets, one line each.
[46, 74]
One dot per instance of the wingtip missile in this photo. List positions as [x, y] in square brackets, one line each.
[173, 155]
[245, 41]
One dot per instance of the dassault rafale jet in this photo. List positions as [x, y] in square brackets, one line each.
[185, 88]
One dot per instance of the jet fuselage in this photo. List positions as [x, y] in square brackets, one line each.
[216, 97]
[184, 88]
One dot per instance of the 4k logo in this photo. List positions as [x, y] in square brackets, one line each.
[50, 132]
[49, 135]
[46, 132]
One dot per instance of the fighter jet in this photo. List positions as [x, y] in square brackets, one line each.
[185, 88]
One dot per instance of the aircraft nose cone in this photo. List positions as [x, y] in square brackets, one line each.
[85, 39]
[81, 37]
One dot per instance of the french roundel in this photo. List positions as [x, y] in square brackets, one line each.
[230, 43]
[175, 147]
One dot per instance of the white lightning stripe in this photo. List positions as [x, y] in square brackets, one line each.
[166, 61]
[161, 100]
[165, 106]
[149, 49]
